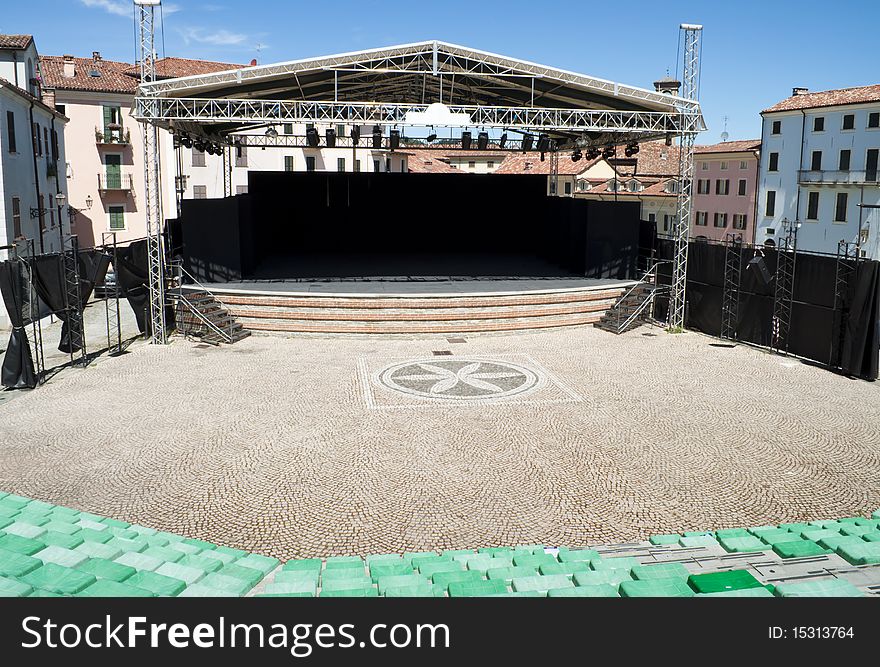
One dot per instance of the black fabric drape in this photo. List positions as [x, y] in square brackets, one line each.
[132, 277]
[18, 366]
[861, 350]
[93, 266]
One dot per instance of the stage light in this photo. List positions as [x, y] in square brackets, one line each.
[631, 150]
[394, 139]
[377, 137]
[465, 140]
[330, 137]
[668, 139]
[608, 152]
[312, 138]
[543, 143]
[576, 156]
[502, 140]
[355, 134]
[431, 138]
[482, 141]
[271, 132]
[592, 153]
[527, 142]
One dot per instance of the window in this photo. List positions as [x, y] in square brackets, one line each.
[10, 131]
[741, 191]
[46, 140]
[198, 158]
[288, 163]
[200, 192]
[774, 162]
[652, 217]
[634, 186]
[723, 166]
[568, 187]
[357, 165]
[771, 203]
[241, 189]
[849, 121]
[61, 108]
[287, 128]
[340, 130]
[840, 208]
[721, 220]
[665, 222]
[874, 119]
[702, 218]
[377, 167]
[472, 165]
[490, 164]
[722, 186]
[340, 164]
[816, 161]
[704, 166]
[310, 163]
[241, 156]
[740, 220]
[819, 124]
[813, 206]
[16, 217]
[743, 164]
[403, 166]
[38, 142]
[54, 145]
[388, 165]
[776, 127]
[703, 186]
[117, 217]
[843, 162]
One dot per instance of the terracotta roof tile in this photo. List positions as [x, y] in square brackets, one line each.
[530, 163]
[428, 162]
[743, 146]
[26, 95]
[172, 68]
[15, 42]
[655, 158]
[828, 98]
[112, 79]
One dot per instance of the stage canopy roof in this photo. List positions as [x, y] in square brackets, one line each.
[395, 86]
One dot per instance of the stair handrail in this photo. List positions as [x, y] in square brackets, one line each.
[180, 272]
[650, 277]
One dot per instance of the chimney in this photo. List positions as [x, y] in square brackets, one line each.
[254, 62]
[96, 56]
[667, 85]
[49, 97]
[69, 67]
[799, 91]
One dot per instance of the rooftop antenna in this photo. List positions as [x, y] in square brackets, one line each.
[259, 48]
[725, 135]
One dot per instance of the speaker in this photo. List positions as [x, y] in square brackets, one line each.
[759, 265]
[465, 140]
[355, 134]
[544, 143]
[483, 141]
[330, 137]
[312, 138]
[502, 140]
[527, 142]
[377, 137]
[394, 139]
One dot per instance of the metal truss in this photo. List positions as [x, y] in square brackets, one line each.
[73, 306]
[152, 183]
[732, 280]
[434, 58]
[691, 123]
[783, 293]
[111, 299]
[166, 111]
[846, 266]
[227, 170]
[554, 171]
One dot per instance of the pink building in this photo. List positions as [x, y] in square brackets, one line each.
[726, 185]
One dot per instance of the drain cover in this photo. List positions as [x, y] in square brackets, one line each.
[456, 340]
[442, 353]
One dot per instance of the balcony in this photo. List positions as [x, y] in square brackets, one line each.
[115, 183]
[838, 177]
[112, 135]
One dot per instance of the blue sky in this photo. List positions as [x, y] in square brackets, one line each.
[753, 52]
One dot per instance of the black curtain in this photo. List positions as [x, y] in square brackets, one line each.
[18, 366]
[861, 349]
[132, 276]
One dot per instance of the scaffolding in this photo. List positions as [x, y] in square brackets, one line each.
[111, 298]
[733, 247]
[783, 293]
[146, 12]
[228, 161]
[31, 307]
[76, 331]
[846, 264]
[692, 35]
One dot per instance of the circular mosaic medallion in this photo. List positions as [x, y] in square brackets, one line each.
[459, 379]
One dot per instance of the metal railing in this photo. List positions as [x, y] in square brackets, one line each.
[647, 281]
[112, 135]
[122, 182]
[848, 176]
[180, 277]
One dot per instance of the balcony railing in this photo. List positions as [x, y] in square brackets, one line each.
[850, 177]
[115, 182]
[112, 134]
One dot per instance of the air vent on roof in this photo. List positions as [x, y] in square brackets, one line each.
[95, 73]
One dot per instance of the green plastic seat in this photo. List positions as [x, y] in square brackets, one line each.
[669, 538]
[714, 582]
[577, 555]
[823, 588]
[597, 591]
[599, 577]
[693, 541]
[483, 587]
[739, 593]
[742, 544]
[834, 543]
[862, 554]
[799, 549]
[539, 583]
[618, 563]
[732, 532]
[656, 588]
[660, 571]
[107, 588]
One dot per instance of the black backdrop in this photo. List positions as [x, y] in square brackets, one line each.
[359, 214]
[812, 315]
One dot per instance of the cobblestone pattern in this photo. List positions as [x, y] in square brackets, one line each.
[268, 446]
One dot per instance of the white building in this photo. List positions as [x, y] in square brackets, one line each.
[819, 167]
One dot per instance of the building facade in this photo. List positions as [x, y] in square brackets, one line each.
[725, 190]
[820, 156]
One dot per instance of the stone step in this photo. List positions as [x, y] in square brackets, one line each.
[417, 327]
[419, 315]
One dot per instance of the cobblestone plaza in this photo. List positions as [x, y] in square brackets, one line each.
[313, 446]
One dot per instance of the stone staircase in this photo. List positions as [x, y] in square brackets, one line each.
[199, 313]
[419, 314]
[630, 311]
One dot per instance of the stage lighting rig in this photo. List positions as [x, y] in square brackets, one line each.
[576, 155]
[394, 139]
[355, 134]
[482, 141]
[502, 140]
[312, 138]
[330, 137]
[543, 143]
[271, 132]
[466, 140]
[592, 153]
[431, 138]
[527, 141]
[377, 137]
[631, 150]
[608, 152]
